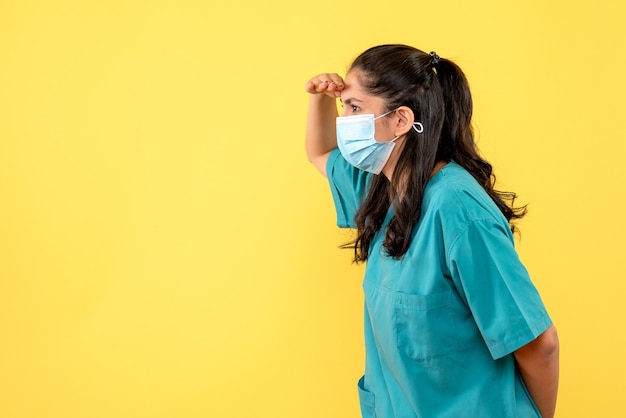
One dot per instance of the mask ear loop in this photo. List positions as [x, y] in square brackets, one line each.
[385, 114]
[421, 127]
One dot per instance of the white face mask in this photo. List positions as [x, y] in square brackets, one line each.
[356, 141]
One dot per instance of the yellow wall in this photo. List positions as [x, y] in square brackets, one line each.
[167, 251]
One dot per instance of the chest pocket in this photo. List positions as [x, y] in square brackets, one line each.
[424, 324]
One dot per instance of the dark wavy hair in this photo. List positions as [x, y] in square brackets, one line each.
[437, 92]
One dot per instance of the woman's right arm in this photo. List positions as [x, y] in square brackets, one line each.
[538, 363]
[321, 137]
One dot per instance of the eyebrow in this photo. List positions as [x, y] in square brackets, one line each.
[350, 100]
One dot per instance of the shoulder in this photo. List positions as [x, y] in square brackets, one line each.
[455, 191]
[455, 199]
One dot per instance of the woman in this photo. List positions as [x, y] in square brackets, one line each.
[453, 324]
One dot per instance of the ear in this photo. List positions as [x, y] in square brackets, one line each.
[403, 119]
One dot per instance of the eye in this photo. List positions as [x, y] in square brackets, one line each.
[355, 108]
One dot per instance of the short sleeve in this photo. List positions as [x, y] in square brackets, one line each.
[348, 186]
[486, 270]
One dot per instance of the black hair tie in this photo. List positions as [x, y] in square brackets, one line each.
[435, 59]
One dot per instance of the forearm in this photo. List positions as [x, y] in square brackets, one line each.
[538, 363]
[321, 137]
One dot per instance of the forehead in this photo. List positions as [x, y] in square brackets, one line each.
[352, 83]
[353, 90]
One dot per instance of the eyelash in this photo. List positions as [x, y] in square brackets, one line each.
[354, 108]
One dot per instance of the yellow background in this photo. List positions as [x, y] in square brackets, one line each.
[167, 251]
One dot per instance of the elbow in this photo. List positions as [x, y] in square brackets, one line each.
[545, 346]
[311, 153]
[550, 342]
[310, 157]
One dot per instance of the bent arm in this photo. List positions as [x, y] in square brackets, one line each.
[321, 137]
[538, 363]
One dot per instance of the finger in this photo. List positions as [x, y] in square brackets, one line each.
[332, 86]
[325, 83]
[310, 87]
[315, 86]
[322, 86]
[337, 80]
[336, 86]
[328, 78]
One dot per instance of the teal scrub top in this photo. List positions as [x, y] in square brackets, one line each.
[442, 323]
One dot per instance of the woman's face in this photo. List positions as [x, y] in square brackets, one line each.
[356, 101]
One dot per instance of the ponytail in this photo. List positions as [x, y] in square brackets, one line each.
[458, 138]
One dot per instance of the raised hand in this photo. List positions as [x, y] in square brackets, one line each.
[329, 84]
